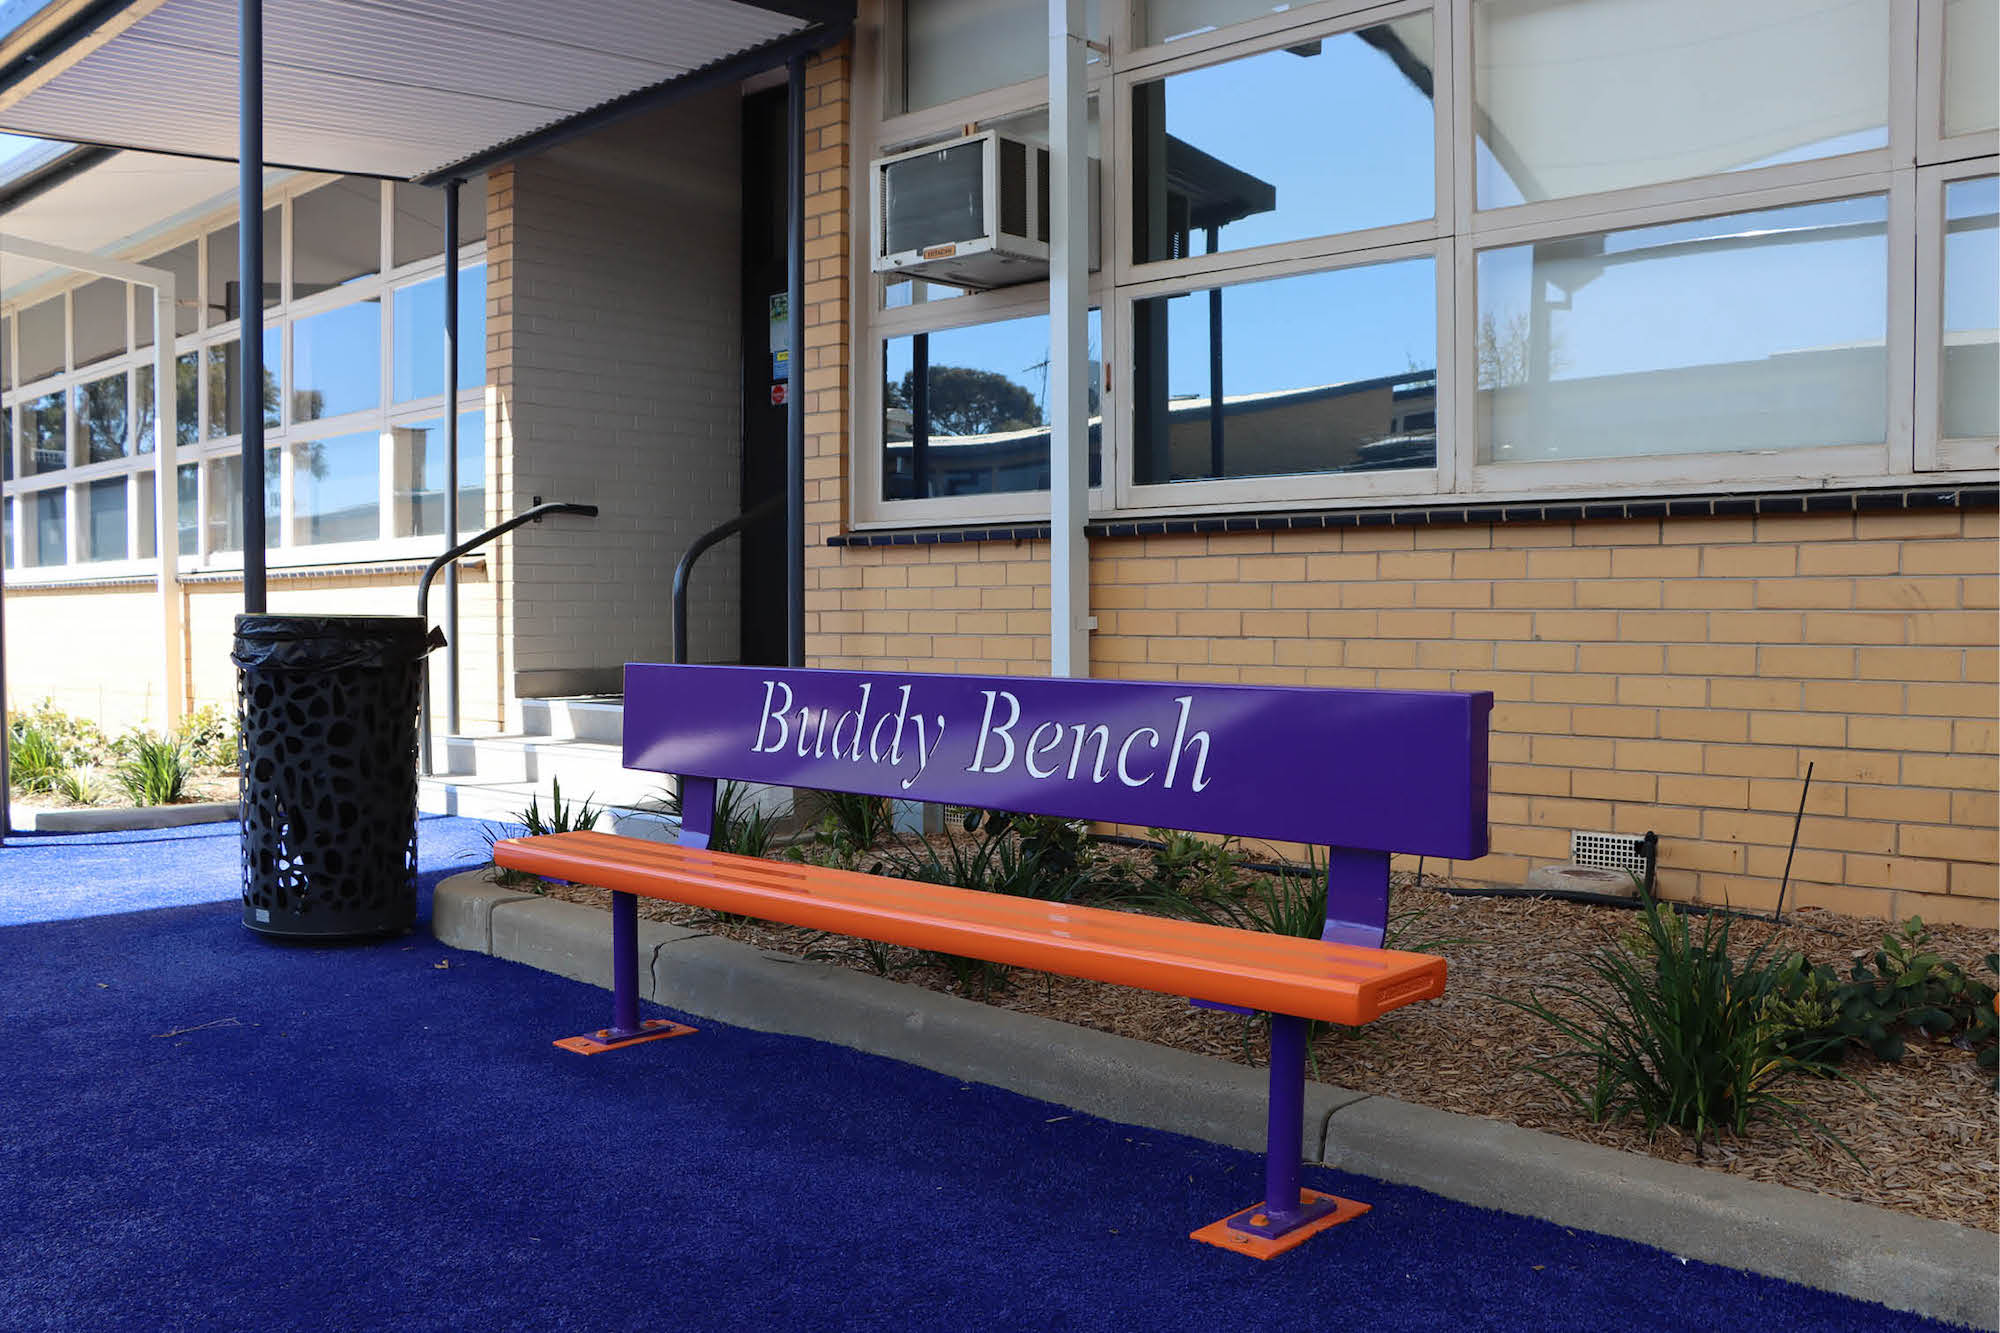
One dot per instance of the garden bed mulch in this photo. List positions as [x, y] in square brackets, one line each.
[1924, 1130]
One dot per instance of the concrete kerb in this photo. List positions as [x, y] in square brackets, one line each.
[124, 818]
[1933, 1268]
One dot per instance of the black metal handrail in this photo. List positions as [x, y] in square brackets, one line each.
[431, 571]
[695, 551]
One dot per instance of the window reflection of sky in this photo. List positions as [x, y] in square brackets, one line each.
[1678, 303]
[1971, 255]
[1345, 137]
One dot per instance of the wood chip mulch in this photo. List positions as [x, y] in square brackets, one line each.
[1924, 1130]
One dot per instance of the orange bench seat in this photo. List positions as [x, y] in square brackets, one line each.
[1307, 978]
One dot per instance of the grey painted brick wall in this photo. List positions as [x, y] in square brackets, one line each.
[627, 385]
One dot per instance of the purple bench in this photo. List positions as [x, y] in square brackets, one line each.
[1362, 773]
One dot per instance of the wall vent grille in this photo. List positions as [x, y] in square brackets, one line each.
[1608, 851]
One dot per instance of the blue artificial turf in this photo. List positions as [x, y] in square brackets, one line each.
[204, 1128]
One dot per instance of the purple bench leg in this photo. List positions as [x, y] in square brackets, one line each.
[627, 1029]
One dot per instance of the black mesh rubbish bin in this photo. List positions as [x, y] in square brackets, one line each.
[327, 707]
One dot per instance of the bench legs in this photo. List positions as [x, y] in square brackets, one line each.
[626, 1027]
[1288, 1214]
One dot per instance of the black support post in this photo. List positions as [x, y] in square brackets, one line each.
[795, 397]
[451, 453]
[250, 290]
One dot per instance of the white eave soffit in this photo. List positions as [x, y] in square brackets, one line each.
[401, 88]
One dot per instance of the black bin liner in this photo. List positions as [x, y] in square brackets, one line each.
[327, 707]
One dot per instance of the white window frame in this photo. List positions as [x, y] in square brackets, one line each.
[1933, 145]
[1935, 453]
[210, 333]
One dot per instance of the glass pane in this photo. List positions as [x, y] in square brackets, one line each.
[1970, 406]
[43, 339]
[225, 406]
[47, 543]
[419, 368]
[1971, 53]
[148, 544]
[1333, 135]
[187, 426]
[1322, 372]
[101, 418]
[6, 352]
[336, 494]
[965, 410]
[419, 220]
[42, 431]
[104, 520]
[420, 476]
[6, 444]
[1170, 20]
[1572, 98]
[187, 501]
[225, 501]
[954, 48]
[223, 298]
[336, 235]
[7, 533]
[99, 311]
[1752, 331]
[179, 261]
[337, 362]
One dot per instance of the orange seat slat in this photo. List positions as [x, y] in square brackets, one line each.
[1280, 973]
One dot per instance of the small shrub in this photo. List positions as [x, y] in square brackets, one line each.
[1903, 990]
[80, 785]
[37, 760]
[156, 771]
[1681, 1036]
[1184, 865]
[740, 824]
[853, 823]
[210, 736]
[561, 816]
[80, 740]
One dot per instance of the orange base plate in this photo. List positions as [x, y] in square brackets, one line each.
[600, 1041]
[1223, 1235]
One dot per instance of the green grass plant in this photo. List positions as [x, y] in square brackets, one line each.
[560, 816]
[1676, 1032]
[37, 759]
[155, 771]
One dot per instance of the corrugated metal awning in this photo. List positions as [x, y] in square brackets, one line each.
[403, 88]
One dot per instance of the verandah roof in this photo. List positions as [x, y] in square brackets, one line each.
[413, 89]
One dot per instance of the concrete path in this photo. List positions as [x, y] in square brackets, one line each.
[1932, 1268]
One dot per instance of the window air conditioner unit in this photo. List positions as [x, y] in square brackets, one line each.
[973, 212]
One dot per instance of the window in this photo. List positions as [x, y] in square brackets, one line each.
[1689, 337]
[44, 424]
[1572, 99]
[1969, 402]
[1330, 372]
[419, 335]
[336, 236]
[44, 340]
[86, 350]
[964, 410]
[48, 544]
[337, 362]
[101, 417]
[225, 501]
[1971, 52]
[336, 490]
[182, 261]
[187, 403]
[1651, 248]
[1331, 135]
[419, 219]
[98, 309]
[954, 48]
[225, 402]
[419, 461]
[104, 520]
[224, 285]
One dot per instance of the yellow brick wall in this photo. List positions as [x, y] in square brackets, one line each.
[1675, 675]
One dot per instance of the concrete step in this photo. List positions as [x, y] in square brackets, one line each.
[591, 717]
[476, 798]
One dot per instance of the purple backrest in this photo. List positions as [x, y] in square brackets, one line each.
[1369, 770]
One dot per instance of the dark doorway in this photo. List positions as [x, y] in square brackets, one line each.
[769, 374]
